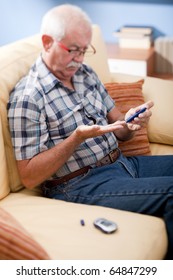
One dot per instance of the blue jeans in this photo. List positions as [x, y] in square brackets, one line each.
[142, 184]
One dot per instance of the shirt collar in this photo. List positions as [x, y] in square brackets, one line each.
[47, 79]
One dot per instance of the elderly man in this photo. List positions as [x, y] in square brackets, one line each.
[65, 129]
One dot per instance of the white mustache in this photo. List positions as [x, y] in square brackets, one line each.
[74, 64]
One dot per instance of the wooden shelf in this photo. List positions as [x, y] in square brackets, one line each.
[163, 76]
[114, 51]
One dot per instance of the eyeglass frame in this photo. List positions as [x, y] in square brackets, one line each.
[77, 51]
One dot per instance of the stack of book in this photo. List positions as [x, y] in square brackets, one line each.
[136, 37]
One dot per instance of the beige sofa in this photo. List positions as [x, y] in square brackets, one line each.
[55, 225]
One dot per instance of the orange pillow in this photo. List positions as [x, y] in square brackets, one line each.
[128, 95]
[16, 243]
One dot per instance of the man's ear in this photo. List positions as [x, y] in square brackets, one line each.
[47, 41]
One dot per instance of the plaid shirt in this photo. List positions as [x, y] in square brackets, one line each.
[42, 113]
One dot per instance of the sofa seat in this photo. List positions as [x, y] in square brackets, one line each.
[56, 226]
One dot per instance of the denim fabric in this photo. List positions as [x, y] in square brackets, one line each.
[142, 184]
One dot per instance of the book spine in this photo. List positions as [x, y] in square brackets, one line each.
[144, 43]
[142, 30]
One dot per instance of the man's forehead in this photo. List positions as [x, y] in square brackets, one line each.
[78, 38]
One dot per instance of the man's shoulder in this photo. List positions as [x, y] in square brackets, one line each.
[24, 88]
[89, 72]
[87, 68]
[29, 85]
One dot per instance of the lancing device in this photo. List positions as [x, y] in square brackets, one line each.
[131, 118]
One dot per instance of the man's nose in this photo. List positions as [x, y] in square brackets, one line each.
[79, 58]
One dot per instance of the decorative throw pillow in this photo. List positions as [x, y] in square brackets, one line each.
[16, 243]
[128, 95]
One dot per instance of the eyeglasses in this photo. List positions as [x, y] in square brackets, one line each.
[77, 52]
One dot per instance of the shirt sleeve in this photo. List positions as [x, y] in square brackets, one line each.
[108, 101]
[28, 128]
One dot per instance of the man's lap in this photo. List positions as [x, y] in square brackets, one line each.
[118, 185]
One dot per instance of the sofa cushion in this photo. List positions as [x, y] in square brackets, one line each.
[126, 96]
[15, 61]
[55, 224]
[161, 149]
[16, 243]
[4, 184]
[160, 129]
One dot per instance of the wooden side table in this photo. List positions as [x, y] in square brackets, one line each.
[130, 61]
[164, 76]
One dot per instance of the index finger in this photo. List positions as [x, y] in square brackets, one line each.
[149, 104]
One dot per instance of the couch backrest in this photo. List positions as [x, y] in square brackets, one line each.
[15, 61]
[99, 61]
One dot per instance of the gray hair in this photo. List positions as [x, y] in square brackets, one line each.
[57, 21]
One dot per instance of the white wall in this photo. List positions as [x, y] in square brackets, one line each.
[21, 18]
